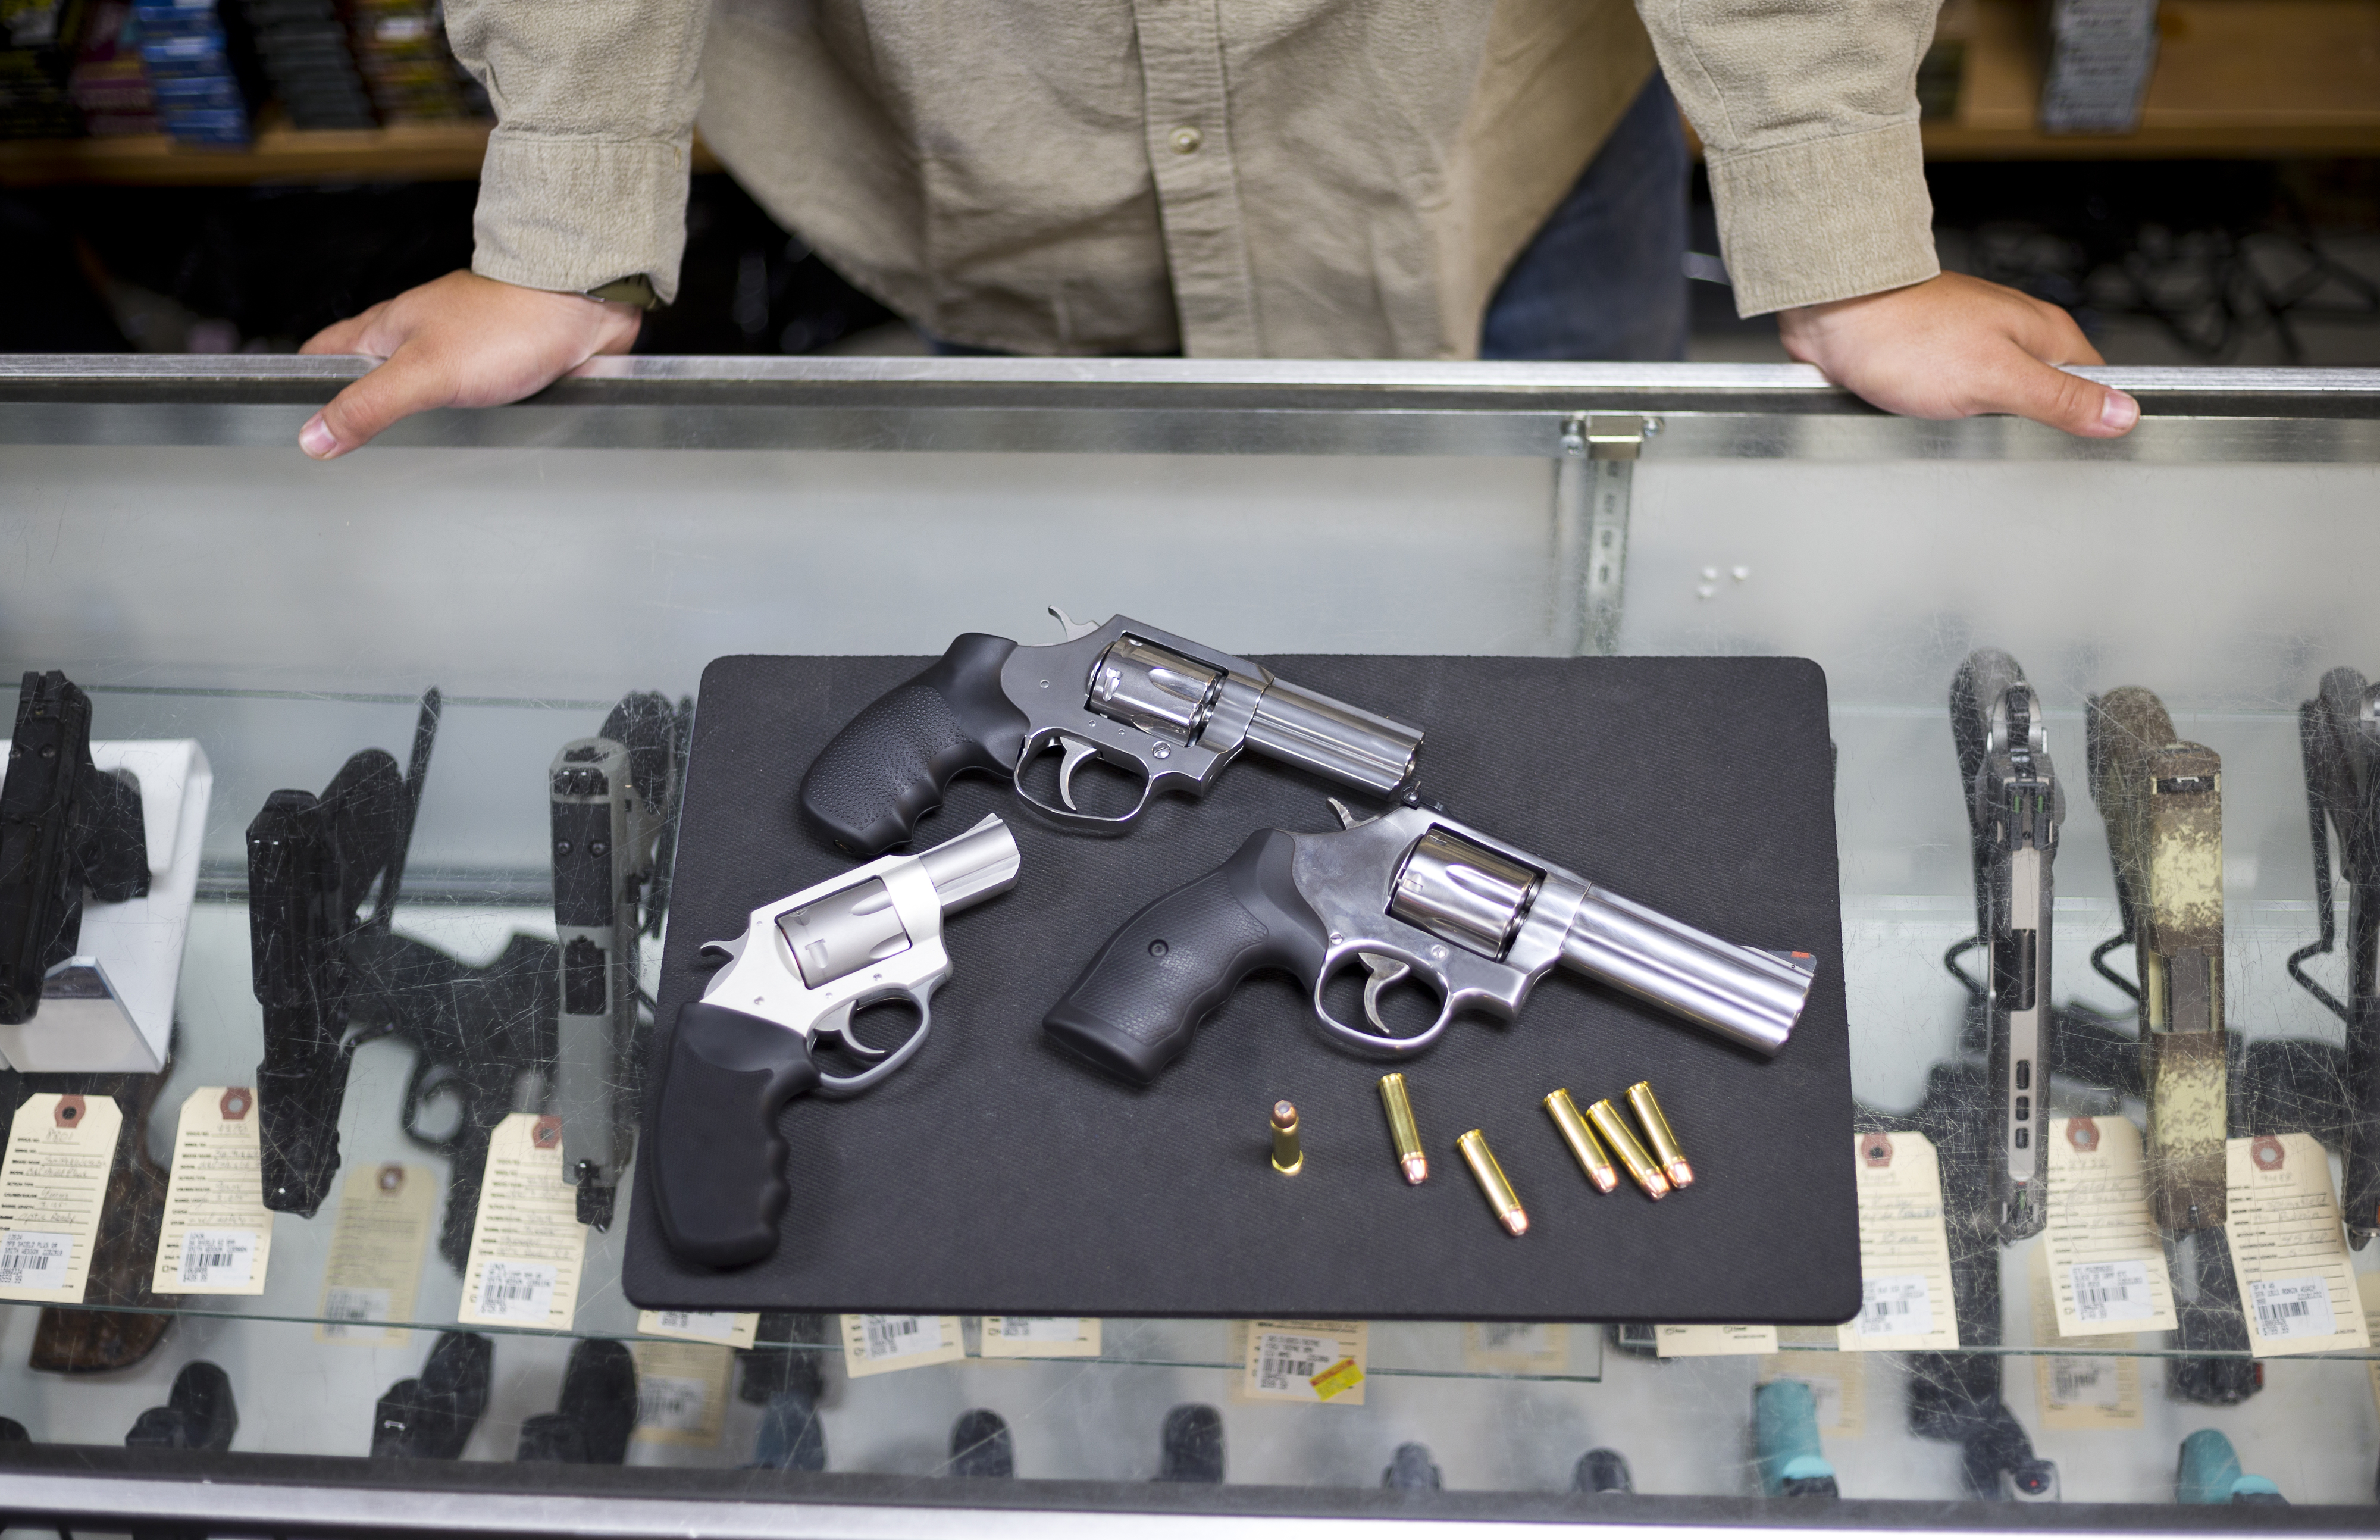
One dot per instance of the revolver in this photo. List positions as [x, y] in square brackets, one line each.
[66, 827]
[612, 795]
[311, 865]
[1412, 894]
[802, 967]
[2340, 734]
[2163, 803]
[2014, 805]
[1157, 705]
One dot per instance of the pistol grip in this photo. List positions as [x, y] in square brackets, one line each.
[719, 1167]
[891, 764]
[1134, 1010]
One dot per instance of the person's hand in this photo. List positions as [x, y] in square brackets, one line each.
[458, 341]
[1954, 347]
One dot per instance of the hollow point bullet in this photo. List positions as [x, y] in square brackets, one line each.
[1287, 1154]
[1607, 1122]
[1581, 1140]
[1492, 1183]
[1410, 1158]
[1657, 1134]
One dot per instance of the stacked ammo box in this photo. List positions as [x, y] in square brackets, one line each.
[402, 47]
[306, 54]
[108, 84]
[37, 41]
[199, 99]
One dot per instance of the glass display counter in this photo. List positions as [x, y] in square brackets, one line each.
[167, 547]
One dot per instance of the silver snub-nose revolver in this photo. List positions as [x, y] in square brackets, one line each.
[804, 966]
[1159, 706]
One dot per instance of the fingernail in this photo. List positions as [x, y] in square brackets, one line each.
[2117, 412]
[315, 438]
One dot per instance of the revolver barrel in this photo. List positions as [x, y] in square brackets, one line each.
[972, 867]
[1332, 738]
[1746, 996]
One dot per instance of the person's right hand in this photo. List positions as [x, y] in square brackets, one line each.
[458, 341]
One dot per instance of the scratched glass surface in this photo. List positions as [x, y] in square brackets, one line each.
[286, 615]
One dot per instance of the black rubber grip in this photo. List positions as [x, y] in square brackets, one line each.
[718, 1166]
[890, 765]
[1134, 1010]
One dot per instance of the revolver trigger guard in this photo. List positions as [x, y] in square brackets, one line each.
[1077, 750]
[1387, 967]
[838, 1026]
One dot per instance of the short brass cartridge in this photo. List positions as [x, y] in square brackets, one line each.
[1581, 1140]
[1411, 1158]
[1657, 1134]
[1608, 1122]
[1288, 1156]
[1499, 1193]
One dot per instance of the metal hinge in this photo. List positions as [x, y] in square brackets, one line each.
[1591, 489]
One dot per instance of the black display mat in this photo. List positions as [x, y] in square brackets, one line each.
[997, 1175]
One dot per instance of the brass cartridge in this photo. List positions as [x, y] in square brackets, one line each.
[1581, 1140]
[1499, 1193]
[1410, 1158]
[1657, 1134]
[1288, 1156]
[1608, 1122]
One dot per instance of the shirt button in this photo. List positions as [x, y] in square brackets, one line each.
[1185, 139]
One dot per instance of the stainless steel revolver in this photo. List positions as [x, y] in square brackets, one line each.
[1411, 894]
[804, 966]
[1158, 706]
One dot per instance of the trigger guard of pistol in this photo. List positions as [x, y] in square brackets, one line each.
[838, 1029]
[1380, 1044]
[1077, 749]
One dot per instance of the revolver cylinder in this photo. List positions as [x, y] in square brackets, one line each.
[1155, 688]
[1463, 893]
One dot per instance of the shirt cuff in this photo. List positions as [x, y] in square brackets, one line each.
[571, 214]
[1825, 219]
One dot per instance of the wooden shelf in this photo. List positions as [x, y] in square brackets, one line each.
[2234, 78]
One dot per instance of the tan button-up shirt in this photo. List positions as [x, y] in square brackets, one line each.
[1285, 178]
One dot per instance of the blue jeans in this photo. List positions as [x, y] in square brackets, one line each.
[1605, 276]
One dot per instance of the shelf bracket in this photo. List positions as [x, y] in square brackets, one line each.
[1592, 482]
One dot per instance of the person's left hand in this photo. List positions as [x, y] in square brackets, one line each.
[1956, 347]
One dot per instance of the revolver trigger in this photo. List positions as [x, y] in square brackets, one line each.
[1076, 630]
[1076, 752]
[1347, 818]
[836, 1024]
[1387, 973]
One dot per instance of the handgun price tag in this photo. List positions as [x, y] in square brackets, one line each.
[1905, 1301]
[880, 1345]
[377, 1245]
[1040, 1337]
[1515, 1347]
[681, 1392]
[51, 1185]
[2105, 1258]
[2297, 1282]
[1713, 1341]
[701, 1326]
[528, 1244]
[2079, 1390]
[218, 1235]
[1313, 1362]
[1837, 1382]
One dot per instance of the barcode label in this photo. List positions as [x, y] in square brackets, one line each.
[516, 1291]
[1895, 1307]
[2111, 1291]
[716, 1324]
[1040, 1328]
[218, 1256]
[1283, 1361]
[671, 1404]
[900, 1335]
[345, 1309]
[34, 1259]
[2292, 1308]
[2084, 1382]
